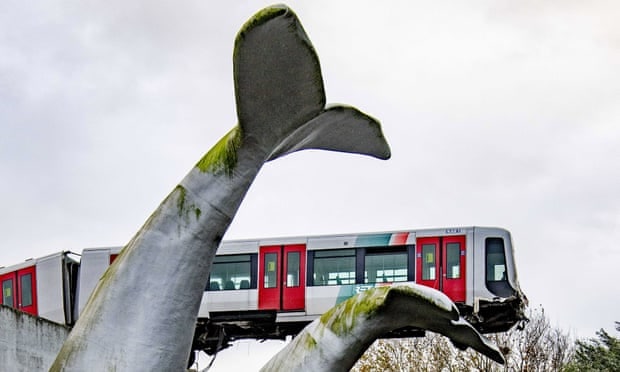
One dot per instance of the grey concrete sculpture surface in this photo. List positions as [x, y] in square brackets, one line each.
[336, 340]
[141, 315]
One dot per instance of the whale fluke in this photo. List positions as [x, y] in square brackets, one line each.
[336, 340]
[338, 128]
[280, 94]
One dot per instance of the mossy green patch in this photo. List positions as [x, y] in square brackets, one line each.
[261, 17]
[309, 342]
[181, 199]
[223, 156]
[342, 319]
[183, 208]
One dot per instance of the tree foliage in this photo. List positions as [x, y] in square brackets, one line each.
[536, 347]
[597, 354]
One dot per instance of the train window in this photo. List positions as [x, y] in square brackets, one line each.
[271, 263]
[334, 267]
[496, 278]
[385, 267]
[453, 260]
[428, 262]
[7, 292]
[230, 272]
[26, 290]
[496, 260]
[292, 269]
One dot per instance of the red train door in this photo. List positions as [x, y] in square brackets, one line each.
[427, 258]
[269, 283]
[453, 262]
[282, 277]
[26, 290]
[440, 264]
[19, 290]
[9, 297]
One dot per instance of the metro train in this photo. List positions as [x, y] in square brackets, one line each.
[272, 288]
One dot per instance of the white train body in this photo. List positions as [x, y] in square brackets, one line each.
[271, 288]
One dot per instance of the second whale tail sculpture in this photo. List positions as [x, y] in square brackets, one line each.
[142, 313]
[336, 340]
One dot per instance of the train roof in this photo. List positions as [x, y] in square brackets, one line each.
[323, 241]
[350, 240]
[31, 262]
[418, 232]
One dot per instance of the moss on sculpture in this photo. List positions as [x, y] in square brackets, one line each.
[184, 210]
[342, 318]
[262, 16]
[223, 156]
[309, 342]
[181, 200]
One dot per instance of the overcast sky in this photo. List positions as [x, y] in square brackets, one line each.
[498, 113]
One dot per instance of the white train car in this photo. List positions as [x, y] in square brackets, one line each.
[272, 288]
[43, 286]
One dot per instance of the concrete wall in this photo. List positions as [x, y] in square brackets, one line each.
[28, 343]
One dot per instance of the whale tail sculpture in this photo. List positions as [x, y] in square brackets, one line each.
[336, 340]
[280, 95]
[142, 313]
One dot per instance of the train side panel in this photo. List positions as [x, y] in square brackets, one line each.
[232, 285]
[321, 299]
[50, 293]
[95, 261]
[233, 301]
[42, 287]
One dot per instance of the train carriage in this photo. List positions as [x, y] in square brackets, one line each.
[295, 280]
[44, 287]
[272, 288]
